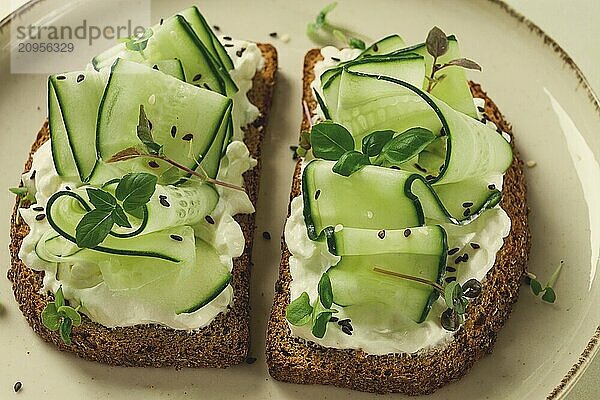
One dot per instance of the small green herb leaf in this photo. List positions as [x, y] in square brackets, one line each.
[536, 287]
[449, 294]
[325, 291]
[330, 141]
[437, 42]
[50, 317]
[101, 200]
[299, 311]
[321, 19]
[19, 191]
[405, 146]
[65, 330]
[93, 228]
[59, 298]
[320, 325]
[144, 133]
[135, 190]
[465, 63]
[350, 162]
[374, 142]
[549, 295]
[356, 43]
[120, 218]
[71, 313]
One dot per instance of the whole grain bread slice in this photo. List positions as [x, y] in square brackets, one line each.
[292, 359]
[224, 342]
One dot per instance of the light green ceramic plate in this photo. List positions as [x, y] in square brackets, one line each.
[542, 350]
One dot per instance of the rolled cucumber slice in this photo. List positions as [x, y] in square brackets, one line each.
[171, 106]
[74, 99]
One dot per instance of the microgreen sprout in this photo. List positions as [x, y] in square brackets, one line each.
[547, 291]
[321, 30]
[24, 196]
[58, 316]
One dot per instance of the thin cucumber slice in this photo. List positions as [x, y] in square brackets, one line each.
[62, 154]
[172, 108]
[78, 95]
[170, 67]
[354, 281]
[211, 161]
[386, 45]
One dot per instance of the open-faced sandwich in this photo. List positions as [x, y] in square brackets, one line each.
[132, 237]
[407, 232]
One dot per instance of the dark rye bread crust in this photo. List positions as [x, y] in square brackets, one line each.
[294, 360]
[224, 342]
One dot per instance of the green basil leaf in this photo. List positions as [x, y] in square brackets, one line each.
[325, 292]
[119, 217]
[320, 326]
[449, 294]
[93, 228]
[70, 313]
[101, 200]
[350, 162]
[65, 330]
[299, 311]
[330, 141]
[135, 190]
[59, 298]
[373, 143]
[50, 317]
[549, 295]
[405, 146]
[536, 287]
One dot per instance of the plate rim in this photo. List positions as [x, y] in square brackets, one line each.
[592, 347]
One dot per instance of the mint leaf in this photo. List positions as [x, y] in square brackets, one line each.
[59, 298]
[330, 141]
[135, 190]
[71, 313]
[325, 292]
[320, 326]
[373, 143]
[405, 146]
[50, 317]
[101, 200]
[299, 311]
[119, 217]
[65, 330]
[93, 228]
[350, 162]
[437, 42]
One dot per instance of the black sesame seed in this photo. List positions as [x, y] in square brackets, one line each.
[80, 78]
[173, 131]
[458, 260]
[333, 319]
[155, 67]
[417, 166]
[38, 209]
[450, 269]
[346, 330]
[317, 194]
[465, 257]
[177, 238]
[273, 34]
[474, 245]
[227, 38]
[206, 86]
[375, 47]
[344, 321]
[430, 177]
[250, 360]
[442, 132]
[266, 235]
[467, 212]
[381, 234]
[491, 186]
[481, 109]
[450, 279]
[453, 251]
[216, 27]
[61, 77]
[40, 217]
[162, 20]
[164, 202]
[197, 77]
[209, 219]
[467, 204]
[228, 45]
[32, 176]
[240, 52]
[394, 167]
[407, 232]
[187, 137]
[153, 164]
[336, 59]
[67, 188]
[18, 385]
